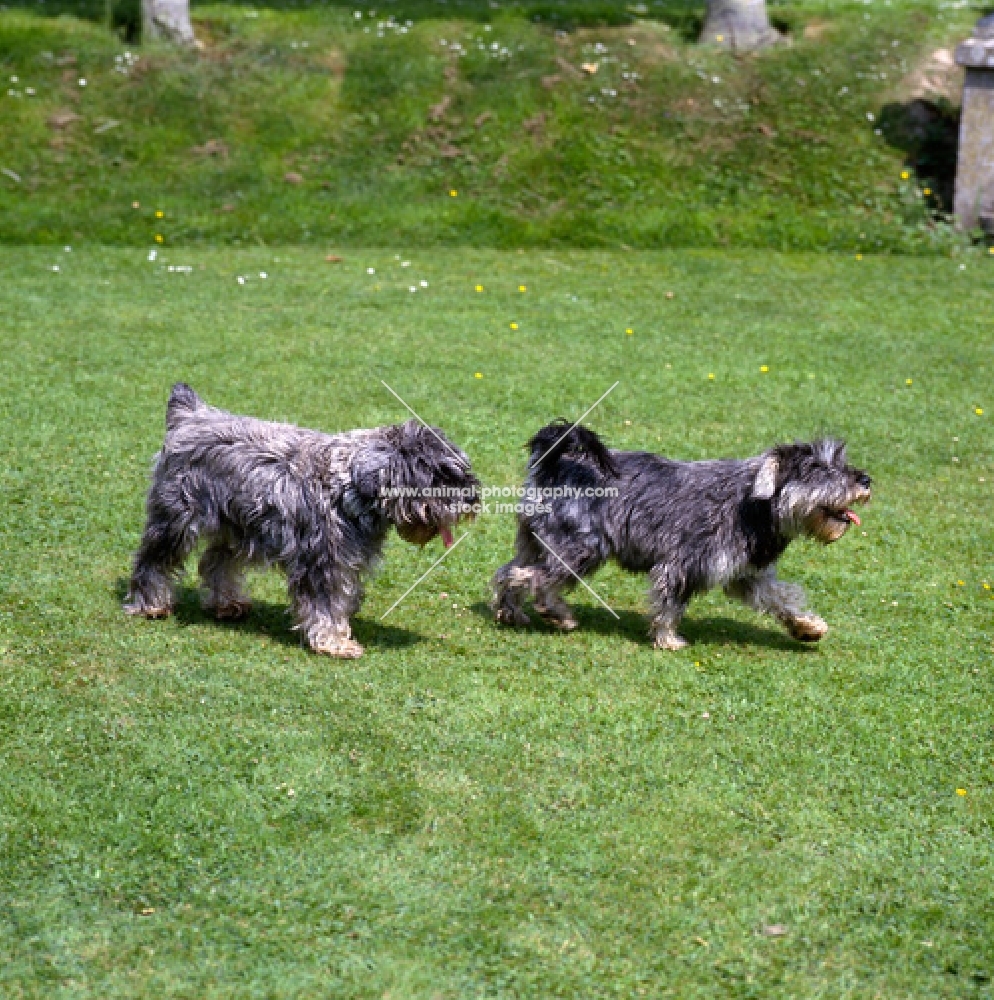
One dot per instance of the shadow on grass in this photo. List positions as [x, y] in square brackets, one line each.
[714, 630]
[274, 622]
[928, 133]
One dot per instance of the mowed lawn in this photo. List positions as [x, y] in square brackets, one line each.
[189, 809]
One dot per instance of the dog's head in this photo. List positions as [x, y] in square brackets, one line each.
[812, 488]
[422, 482]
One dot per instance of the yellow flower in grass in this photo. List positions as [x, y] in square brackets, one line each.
[961, 792]
[907, 381]
[453, 193]
[979, 412]
[764, 368]
[477, 374]
[160, 214]
[926, 191]
[158, 237]
[522, 288]
[514, 326]
[859, 256]
[905, 175]
[629, 331]
[479, 288]
[711, 376]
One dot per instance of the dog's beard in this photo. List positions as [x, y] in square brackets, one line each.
[422, 532]
[830, 525]
[828, 522]
[417, 533]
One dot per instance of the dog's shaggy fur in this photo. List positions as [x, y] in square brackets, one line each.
[317, 505]
[690, 525]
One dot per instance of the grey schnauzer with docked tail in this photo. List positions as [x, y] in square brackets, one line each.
[691, 526]
[317, 505]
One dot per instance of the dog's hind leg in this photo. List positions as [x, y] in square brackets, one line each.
[221, 572]
[763, 592]
[168, 538]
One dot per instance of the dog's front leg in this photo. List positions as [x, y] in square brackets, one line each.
[762, 591]
[668, 602]
[552, 609]
[332, 638]
[510, 585]
[323, 607]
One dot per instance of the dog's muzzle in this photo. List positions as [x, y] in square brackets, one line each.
[831, 523]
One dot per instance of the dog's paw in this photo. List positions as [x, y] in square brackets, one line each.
[138, 610]
[564, 623]
[342, 649]
[808, 628]
[515, 617]
[229, 611]
[670, 641]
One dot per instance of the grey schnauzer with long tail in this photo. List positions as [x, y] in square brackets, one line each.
[317, 505]
[691, 526]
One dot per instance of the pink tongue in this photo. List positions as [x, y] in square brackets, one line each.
[447, 536]
[853, 516]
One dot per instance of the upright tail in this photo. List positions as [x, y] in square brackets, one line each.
[182, 402]
[560, 440]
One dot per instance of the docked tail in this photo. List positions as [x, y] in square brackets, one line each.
[182, 402]
[560, 440]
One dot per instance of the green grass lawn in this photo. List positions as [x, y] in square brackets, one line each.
[308, 124]
[191, 809]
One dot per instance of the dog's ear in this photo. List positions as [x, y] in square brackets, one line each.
[765, 483]
[831, 451]
[370, 474]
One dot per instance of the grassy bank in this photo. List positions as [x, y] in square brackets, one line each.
[487, 125]
[197, 810]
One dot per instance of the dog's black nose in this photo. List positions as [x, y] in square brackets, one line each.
[862, 479]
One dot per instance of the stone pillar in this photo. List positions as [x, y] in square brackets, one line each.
[973, 204]
[167, 21]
